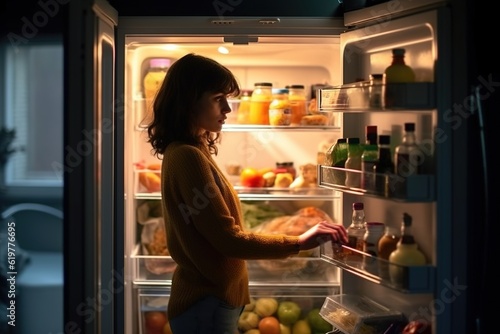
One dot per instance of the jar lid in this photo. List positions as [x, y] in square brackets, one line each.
[265, 84]
[358, 206]
[297, 86]
[280, 91]
[159, 62]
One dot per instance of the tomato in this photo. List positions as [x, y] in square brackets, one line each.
[154, 322]
[269, 325]
[251, 177]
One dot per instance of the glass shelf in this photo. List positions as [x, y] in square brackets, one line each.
[414, 188]
[250, 128]
[395, 96]
[406, 279]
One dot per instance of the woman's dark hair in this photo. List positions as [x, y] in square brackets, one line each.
[174, 107]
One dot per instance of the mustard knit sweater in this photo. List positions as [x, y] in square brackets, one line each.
[205, 235]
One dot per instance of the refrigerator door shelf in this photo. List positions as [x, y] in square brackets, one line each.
[405, 279]
[257, 128]
[394, 96]
[414, 188]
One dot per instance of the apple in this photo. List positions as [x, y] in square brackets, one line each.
[301, 327]
[248, 320]
[253, 331]
[288, 312]
[417, 327]
[318, 324]
[285, 329]
[250, 306]
[265, 307]
[251, 177]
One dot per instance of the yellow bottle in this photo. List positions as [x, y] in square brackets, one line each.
[406, 254]
[398, 71]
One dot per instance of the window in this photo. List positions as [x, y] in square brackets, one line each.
[33, 107]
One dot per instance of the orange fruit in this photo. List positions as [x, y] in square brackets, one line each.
[250, 177]
[269, 325]
[154, 322]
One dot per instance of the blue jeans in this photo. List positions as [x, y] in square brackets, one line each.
[209, 315]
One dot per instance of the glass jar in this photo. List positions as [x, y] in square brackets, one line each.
[285, 167]
[279, 109]
[244, 107]
[259, 103]
[297, 97]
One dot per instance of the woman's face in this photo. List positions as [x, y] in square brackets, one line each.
[212, 110]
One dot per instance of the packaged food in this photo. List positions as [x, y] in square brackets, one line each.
[279, 109]
[259, 103]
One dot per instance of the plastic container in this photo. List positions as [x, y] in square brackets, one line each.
[297, 97]
[356, 314]
[152, 81]
[259, 103]
[279, 109]
[355, 150]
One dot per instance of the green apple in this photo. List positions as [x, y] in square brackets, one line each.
[248, 320]
[285, 329]
[301, 327]
[288, 312]
[250, 306]
[265, 307]
[318, 324]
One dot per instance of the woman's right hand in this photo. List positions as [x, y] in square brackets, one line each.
[321, 233]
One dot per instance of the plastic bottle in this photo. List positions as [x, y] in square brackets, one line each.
[279, 109]
[356, 232]
[406, 253]
[398, 71]
[384, 167]
[259, 103]
[152, 81]
[355, 150]
[336, 156]
[369, 159]
[374, 231]
[244, 107]
[408, 159]
[297, 97]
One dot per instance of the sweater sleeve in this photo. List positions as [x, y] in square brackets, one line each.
[214, 210]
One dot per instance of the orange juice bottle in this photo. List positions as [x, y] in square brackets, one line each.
[297, 98]
[259, 103]
[152, 82]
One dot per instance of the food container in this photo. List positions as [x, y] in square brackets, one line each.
[356, 314]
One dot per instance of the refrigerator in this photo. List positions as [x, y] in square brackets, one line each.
[112, 280]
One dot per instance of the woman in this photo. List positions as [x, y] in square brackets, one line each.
[202, 211]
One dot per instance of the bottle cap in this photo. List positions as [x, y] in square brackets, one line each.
[398, 52]
[384, 139]
[358, 206]
[409, 126]
[159, 62]
[342, 140]
[353, 140]
[371, 129]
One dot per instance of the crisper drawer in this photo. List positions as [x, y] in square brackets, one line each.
[152, 310]
[294, 308]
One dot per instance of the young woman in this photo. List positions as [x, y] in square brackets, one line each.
[203, 218]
